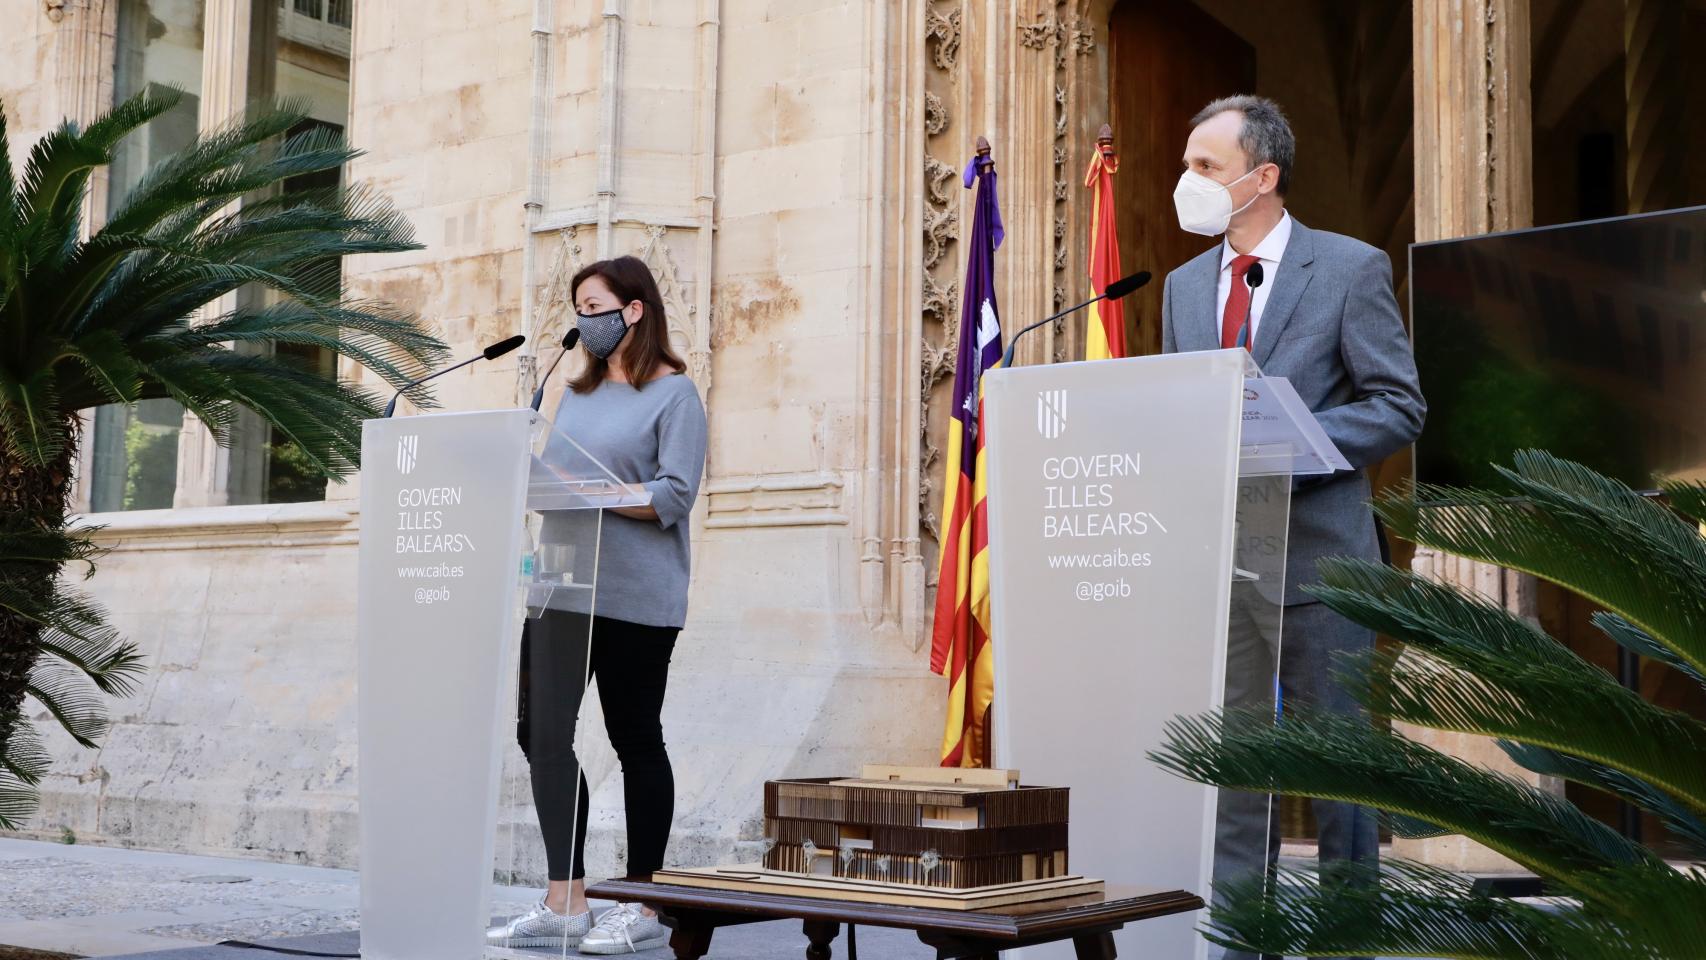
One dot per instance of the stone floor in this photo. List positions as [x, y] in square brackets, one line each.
[106, 901]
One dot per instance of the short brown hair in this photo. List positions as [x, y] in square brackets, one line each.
[648, 342]
[1266, 137]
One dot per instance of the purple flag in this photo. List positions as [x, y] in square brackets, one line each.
[980, 324]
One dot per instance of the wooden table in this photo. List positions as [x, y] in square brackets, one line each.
[1089, 921]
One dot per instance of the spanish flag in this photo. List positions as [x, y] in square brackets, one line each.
[960, 643]
[1106, 336]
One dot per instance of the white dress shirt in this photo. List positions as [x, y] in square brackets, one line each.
[1269, 252]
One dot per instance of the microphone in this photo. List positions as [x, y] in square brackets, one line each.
[1253, 277]
[569, 340]
[490, 353]
[1119, 288]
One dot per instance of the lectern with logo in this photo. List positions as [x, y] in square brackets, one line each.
[1137, 531]
[469, 522]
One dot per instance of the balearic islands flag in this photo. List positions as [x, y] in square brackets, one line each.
[1106, 336]
[960, 642]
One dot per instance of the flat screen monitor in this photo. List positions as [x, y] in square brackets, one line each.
[1587, 340]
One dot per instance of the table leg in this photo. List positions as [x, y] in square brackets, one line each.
[957, 948]
[690, 939]
[821, 933]
[1094, 946]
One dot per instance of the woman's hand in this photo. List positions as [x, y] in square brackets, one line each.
[636, 513]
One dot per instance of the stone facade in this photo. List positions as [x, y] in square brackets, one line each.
[789, 170]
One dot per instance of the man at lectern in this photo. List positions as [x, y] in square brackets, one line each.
[1316, 308]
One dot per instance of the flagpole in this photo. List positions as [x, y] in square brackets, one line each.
[960, 647]
[1105, 336]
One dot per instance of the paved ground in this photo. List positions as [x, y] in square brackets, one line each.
[105, 901]
[102, 901]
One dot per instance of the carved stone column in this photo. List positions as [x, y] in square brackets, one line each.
[231, 76]
[84, 35]
[83, 38]
[1474, 126]
[1473, 175]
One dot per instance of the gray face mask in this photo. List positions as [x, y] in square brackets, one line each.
[601, 333]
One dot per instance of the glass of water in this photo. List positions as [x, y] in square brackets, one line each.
[557, 562]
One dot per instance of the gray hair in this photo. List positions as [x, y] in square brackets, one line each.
[1266, 137]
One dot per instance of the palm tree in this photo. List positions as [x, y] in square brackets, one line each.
[113, 318]
[1470, 666]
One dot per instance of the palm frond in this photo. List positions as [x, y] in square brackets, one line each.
[1637, 641]
[1662, 908]
[23, 762]
[59, 167]
[22, 541]
[370, 333]
[1577, 529]
[219, 166]
[1346, 758]
[1409, 828]
[8, 197]
[1474, 667]
[108, 365]
[31, 416]
[1408, 909]
[1517, 700]
[74, 628]
[71, 698]
[1687, 498]
[1685, 825]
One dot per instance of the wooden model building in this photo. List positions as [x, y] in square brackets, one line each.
[930, 827]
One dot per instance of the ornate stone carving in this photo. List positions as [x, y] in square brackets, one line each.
[1083, 39]
[56, 10]
[942, 31]
[935, 114]
[557, 300]
[775, 500]
[940, 227]
[941, 220]
[1065, 34]
[1035, 36]
[942, 301]
[940, 293]
[937, 175]
[685, 335]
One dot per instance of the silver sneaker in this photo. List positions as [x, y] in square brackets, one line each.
[541, 926]
[623, 929]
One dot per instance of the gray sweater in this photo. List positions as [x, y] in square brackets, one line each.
[653, 437]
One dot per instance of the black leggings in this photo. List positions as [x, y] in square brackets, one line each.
[634, 659]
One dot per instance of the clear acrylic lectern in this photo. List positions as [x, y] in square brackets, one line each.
[470, 522]
[1138, 514]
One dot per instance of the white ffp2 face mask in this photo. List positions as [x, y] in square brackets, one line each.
[1205, 206]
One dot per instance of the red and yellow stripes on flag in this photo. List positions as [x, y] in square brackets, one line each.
[1105, 338]
[960, 647]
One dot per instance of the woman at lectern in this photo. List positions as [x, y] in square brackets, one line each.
[634, 410]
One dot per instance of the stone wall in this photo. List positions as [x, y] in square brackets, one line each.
[754, 203]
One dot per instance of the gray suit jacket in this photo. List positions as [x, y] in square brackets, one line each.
[1331, 326]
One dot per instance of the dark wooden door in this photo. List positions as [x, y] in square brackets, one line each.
[1168, 60]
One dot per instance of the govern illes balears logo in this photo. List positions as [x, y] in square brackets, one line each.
[407, 446]
[1051, 413]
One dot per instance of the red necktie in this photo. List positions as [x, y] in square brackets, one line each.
[1237, 303]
